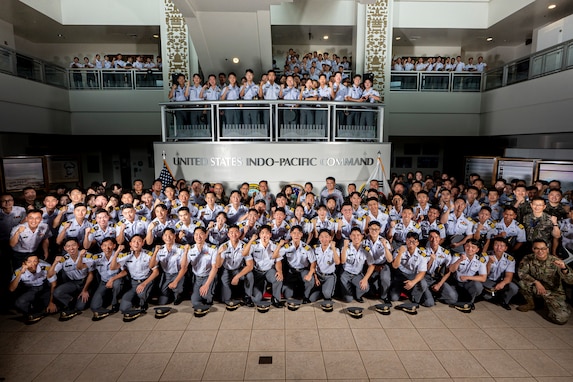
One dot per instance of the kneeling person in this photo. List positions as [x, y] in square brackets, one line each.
[172, 258]
[500, 270]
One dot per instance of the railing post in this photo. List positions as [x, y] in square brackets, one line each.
[214, 121]
[380, 123]
[163, 125]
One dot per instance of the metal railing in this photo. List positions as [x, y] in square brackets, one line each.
[105, 79]
[436, 81]
[548, 61]
[281, 120]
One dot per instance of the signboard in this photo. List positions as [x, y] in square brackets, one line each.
[279, 163]
[484, 166]
[509, 169]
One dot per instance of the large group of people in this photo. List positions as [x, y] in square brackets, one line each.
[110, 62]
[438, 64]
[429, 240]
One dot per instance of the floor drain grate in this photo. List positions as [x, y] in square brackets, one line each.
[265, 360]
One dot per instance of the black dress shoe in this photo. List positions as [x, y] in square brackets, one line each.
[114, 308]
[359, 299]
[473, 306]
[276, 303]
[305, 301]
[505, 306]
[178, 300]
[248, 302]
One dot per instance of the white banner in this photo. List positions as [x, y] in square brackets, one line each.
[279, 163]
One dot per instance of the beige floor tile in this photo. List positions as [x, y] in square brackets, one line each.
[20, 342]
[265, 372]
[24, 367]
[232, 341]
[382, 364]
[196, 341]
[553, 379]
[563, 357]
[145, 322]
[426, 319]
[371, 339]
[273, 319]
[499, 364]
[474, 339]
[209, 322]
[476, 379]
[73, 364]
[54, 342]
[510, 379]
[300, 320]
[484, 318]
[395, 320]
[267, 340]
[89, 342]
[344, 365]
[185, 367]
[440, 339]
[302, 340]
[396, 380]
[11, 323]
[515, 318]
[145, 367]
[542, 338]
[453, 319]
[460, 364]
[406, 339]
[239, 319]
[125, 342]
[77, 324]
[564, 333]
[368, 321]
[422, 364]
[305, 365]
[332, 320]
[336, 339]
[175, 321]
[114, 366]
[508, 338]
[234, 368]
[161, 341]
[111, 323]
[537, 363]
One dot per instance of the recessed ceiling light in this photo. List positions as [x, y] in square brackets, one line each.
[155, 35]
[236, 60]
[325, 37]
[551, 6]
[60, 35]
[398, 38]
[489, 39]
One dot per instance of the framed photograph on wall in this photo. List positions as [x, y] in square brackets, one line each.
[63, 169]
[21, 172]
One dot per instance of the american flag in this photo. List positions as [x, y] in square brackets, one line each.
[165, 176]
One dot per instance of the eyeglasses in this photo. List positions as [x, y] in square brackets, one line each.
[8, 201]
[541, 249]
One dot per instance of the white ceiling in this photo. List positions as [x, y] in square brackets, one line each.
[311, 35]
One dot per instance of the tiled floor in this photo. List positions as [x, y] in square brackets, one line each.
[438, 344]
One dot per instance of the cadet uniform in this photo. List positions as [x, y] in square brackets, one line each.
[248, 232]
[76, 230]
[435, 273]
[487, 232]
[233, 214]
[101, 264]
[208, 214]
[306, 114]
[170, 262]
[381, 218]
[232, 116]
[325, 273]
[515, 232]
[143, 211]
[233, 263]
[9, 221]
[74, 281]
[159, 227]
[352, 272]
[28, 242]
[321, 114]
[552, 278]
[139, 271]
[399, 232]
[299, 260]
[193, 210]
[290, 113]
[367, 118]
[496, 211]
[426, 227]
[280, 232]
[188, 230]
[137, 227]
[410, 266]
[98, 234]
[34, 289]
[472, 210]
[348, 225]
[250, 116]
[328, 224]
[264, 270]
[270, 92]
[360, 212]
[218, 235]
[475, 266]
[459, 226]
[201, 261]
[382, 272]
[496, 274]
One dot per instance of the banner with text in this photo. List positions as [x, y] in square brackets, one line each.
[278, 163]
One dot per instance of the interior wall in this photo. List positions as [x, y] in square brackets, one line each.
[6, 34]
[280, 51]
[315, 12]
[425, 51]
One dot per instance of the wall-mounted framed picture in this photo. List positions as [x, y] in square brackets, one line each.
[63, 169]
[21, 172]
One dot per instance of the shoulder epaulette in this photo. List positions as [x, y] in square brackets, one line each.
[492, 224]
[367, 247]
[63, 258]
[285, 246]
[315, 246]
[306, 220]
[360, 219]
[122, 255]
[520, 226]
[456, 254]
[143, 219]
[92, 230]
[198, 223]
[148, 253]
[17, 272]
[212, 246]
[482, 259]
[423, 249]
[447, 251]
[416, 225]
[307, 247]
[178, 225]
[333, 220]
[440, 226]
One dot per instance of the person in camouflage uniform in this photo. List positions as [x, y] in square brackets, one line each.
[541, 274]
[541, 225]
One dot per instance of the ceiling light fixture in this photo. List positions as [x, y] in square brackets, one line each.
[235, 60]
[60, 35]
[398, 38]
[155, 35]
[325, 37]
[489, 39]
[551, 6]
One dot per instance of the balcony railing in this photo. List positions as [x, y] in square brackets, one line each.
[548, 61]
[105, 79]
[273, 121]
[436, 81]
